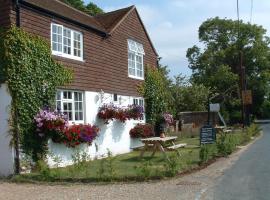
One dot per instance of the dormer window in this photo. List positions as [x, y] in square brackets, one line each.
[135, 60]
[66, 42]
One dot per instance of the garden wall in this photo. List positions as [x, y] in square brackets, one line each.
[113, 136]
[6, 153]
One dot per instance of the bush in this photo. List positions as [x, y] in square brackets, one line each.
[226, 144]
[107, 171]
[207, 152]
[145, 169]
[142, 130]
[172, 166]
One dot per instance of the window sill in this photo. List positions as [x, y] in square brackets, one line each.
[67, 56]
[136, 77]
[70, 123]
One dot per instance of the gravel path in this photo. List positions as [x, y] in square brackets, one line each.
[198, 185]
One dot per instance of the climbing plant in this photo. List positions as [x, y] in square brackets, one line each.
[32, 77]
[154, 91]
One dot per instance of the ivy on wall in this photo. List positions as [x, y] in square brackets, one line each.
[153, 89]
[32, 77]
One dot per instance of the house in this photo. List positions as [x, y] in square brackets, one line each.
[107, 53]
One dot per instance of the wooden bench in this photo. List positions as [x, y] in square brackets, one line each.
[176, 146]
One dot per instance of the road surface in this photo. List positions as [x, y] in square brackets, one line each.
[249, 177]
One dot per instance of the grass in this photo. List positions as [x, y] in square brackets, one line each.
[126, 167]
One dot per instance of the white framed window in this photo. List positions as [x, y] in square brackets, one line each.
[66, 42]
[71, 103]
[135, 60]
[139, 101]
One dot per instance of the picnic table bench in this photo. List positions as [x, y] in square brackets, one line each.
[158, 143]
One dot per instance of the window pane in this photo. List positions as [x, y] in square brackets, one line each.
[141, 102]
[76, 96]
[80, 115]
[58, 95]
[55, 47]
[54, 28]
[58, 106]
[139, 73]
[80, 106]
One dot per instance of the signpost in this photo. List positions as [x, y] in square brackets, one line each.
[247, 97]
[207, 135]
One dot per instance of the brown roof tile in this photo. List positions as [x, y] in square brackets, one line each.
[60, 8]
[111, 20]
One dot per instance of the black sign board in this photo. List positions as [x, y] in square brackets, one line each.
[207, 135]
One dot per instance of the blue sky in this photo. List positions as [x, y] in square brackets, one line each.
[173, 24]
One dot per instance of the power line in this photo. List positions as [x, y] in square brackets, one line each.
[238, 18]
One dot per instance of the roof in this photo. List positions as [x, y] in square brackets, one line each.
[59, 8]
[111, 20]
[104, 23]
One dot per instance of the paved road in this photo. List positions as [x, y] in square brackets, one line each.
[249, 177]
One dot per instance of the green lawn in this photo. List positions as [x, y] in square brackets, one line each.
[127, 166]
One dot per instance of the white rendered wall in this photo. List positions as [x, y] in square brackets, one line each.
[6, 153]
[113, 136]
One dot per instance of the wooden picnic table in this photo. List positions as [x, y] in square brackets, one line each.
[157, 143]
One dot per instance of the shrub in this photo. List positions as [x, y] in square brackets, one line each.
[106, 169]
[172, 166]
[144, 169]
[142, 130]
[207, 152]
[226, 144]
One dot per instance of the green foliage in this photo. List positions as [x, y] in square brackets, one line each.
[226, 144]
[91, 8]
[144, 170]
[154, 90]
[107, 171]
[207, 152]
[254, 130]
[80, 159]
[172, 166]
[189, 96]
[32, 77]
[217, 65]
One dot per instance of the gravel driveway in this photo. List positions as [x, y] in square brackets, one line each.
[195, 186]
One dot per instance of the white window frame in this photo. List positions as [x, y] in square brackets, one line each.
[138, 99]
[138, 51]
[72, 101]
[61, 53]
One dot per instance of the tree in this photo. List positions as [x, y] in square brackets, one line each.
[217, 64]
[154, 90]
[189, 96]
[91, 8]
